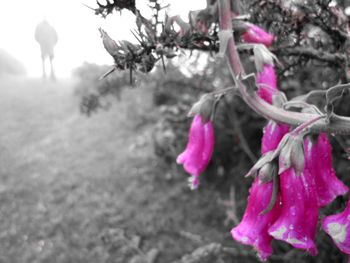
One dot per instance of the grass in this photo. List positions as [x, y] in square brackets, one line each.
[79, 189]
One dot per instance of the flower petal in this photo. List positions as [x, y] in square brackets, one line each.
[252, 230]
[338, 226]
[299, 201]
[255, 34]
[319, 160]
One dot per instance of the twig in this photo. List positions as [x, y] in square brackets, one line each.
[237, 128]
[334, 58]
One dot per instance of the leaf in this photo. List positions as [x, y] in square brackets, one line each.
[110, 45]
[264, 159]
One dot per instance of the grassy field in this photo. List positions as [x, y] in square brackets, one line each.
[89, 189]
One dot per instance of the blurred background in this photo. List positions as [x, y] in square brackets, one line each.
[87, 166]
[77, 29]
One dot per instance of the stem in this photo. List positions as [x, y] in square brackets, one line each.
[306, 124]
[337, 124]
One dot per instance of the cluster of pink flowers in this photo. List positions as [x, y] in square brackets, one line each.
[293, 218]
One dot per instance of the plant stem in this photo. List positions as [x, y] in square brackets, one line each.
[307, 124]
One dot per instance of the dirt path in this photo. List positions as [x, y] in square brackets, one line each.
[78, 189]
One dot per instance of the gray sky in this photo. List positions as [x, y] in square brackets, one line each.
[79, 39]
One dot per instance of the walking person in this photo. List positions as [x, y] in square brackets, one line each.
[47, 38]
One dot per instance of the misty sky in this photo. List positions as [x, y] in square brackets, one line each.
[76, 25]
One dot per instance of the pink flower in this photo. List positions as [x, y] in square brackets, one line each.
[297, 221]
[267, 81]
[338, 226]
[318, 157]
[252, 230]
[273, 133]
[255, 34]
[199, 149]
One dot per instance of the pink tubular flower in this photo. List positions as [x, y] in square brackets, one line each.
[297, 221]
[268, 82]
[337, 227]
[273, 133]
[255, 34]
[319, 157]
[199, 149]
[252, 230]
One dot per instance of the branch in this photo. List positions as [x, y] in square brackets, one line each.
[337, 124]
[335, 58]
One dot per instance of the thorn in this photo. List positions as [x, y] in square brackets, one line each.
[134, 34]
[100, 5]
[107, 73]
[163, 64]
[88, 7]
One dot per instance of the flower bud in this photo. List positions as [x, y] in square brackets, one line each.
[110, 45]
[255, 34]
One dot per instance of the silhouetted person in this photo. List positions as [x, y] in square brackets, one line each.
[47, 38]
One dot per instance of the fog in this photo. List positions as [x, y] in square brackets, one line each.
[77, 28]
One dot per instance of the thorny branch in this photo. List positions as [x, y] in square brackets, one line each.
[155, 45]
[336, 58]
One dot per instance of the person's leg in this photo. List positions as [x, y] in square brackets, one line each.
[53, 76]
[43, 67]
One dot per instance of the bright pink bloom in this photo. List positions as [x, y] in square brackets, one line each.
[268, 82]
[199, 149]
[338, 227]
[273, 133]
[252, 230]
[297, 221]
[318, 158]
[255, 34]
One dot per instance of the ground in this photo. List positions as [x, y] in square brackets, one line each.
[89, 189]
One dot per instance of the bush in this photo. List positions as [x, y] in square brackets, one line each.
[9, 65]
